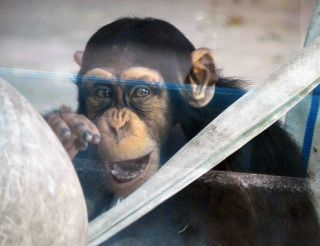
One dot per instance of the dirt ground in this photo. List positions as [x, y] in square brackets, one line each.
[250, 38]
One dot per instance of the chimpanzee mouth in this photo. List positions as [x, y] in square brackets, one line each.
[125, 171]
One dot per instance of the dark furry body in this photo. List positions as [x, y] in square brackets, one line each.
[272, 152]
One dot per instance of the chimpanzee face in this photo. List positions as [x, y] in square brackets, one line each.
[126, 66]
[131, 109]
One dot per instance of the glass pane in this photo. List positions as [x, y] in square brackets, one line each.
[146, 89]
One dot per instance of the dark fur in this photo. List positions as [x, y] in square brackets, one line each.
[157, 44]
[272, 152]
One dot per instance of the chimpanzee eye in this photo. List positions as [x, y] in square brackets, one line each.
[141, 92]
[103, 92]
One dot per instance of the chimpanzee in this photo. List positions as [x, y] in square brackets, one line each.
[144, 91]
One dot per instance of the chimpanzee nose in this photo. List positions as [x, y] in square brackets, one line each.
[118, 122]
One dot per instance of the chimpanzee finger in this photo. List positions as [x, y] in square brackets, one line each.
[96, 139]
[93, 130]
[72, 150]
[60, 128]
[68, 143]
[79, 126]
[80, 145]
[73, 145]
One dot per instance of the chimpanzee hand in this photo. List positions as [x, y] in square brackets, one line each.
[74, 131]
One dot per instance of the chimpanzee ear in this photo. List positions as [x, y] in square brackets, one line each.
[78, 55]
[202, 78]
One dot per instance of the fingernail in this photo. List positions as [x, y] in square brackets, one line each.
[84, 146]
[65, 132]
[87, 136]
[96, 139]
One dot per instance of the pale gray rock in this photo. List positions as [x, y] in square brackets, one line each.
[41, 201]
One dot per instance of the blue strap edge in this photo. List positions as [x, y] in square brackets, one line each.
[311, 122]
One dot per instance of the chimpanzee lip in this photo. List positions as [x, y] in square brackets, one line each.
[128, 170]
